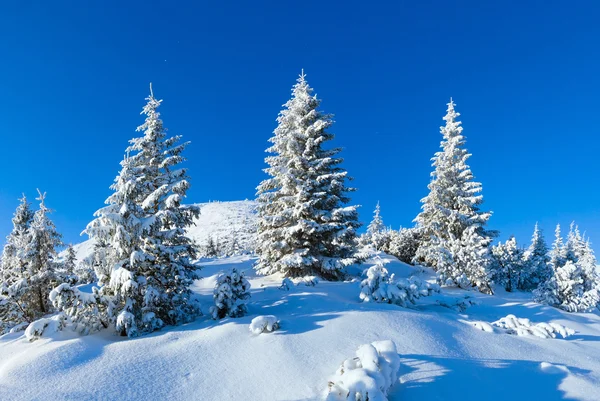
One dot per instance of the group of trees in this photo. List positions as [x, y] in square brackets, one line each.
[143, 262]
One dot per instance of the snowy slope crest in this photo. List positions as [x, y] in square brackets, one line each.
[220, 221]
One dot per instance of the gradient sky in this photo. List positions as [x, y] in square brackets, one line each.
[524, 76]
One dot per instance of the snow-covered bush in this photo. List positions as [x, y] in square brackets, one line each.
[368, 376]
[86, 312]
[262, 324]
[232, 290]
[286, 284]
[84, 271]
[523, 327]
[464, 262]
[379, 286]
[459, 304]
[403, 244]
[45, 326]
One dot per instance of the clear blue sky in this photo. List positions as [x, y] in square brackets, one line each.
[74, 76]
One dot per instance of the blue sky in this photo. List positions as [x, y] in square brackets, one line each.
[524, 76]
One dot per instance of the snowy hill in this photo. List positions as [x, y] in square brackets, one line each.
[220, 221]
[443, 356]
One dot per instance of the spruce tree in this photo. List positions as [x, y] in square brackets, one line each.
[305, 225]
[508, 265]
[143, 227]
[12, 265]
[377, 235]
[29, 283]
[536, 263]
[557, 253]
[451, 212]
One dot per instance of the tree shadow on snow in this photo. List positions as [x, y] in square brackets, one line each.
[444, 379]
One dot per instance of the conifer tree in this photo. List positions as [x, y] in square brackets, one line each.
[377, 235]
[12, 265]
[305, 226]
[536, 263]
[28, 285]
[143, 228]
[508, 267]
[451, 212]
[557, 254]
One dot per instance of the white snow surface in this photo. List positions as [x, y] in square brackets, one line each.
[441, 357]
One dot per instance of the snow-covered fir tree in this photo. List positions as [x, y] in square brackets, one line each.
[574, 283]
[508, 265]
[29, 287]
[557, 253]
[305, 225]
[231, 293]
[12, 265]
[451, 211]
[70, 260]
[536, 261]
[143, 228]
[378, 235]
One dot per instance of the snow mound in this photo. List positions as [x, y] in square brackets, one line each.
[523, 327]
[45, 326]
[369, 376]
[484, 326]
[261, 324]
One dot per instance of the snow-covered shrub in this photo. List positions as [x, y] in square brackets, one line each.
[403, 244]
[232, 290]
[523, 327]
[86, 312]
[380, 287]
[483, 326]
[262, 324]
[464, 262]
[459, 304]
[286, 284]
[45, 326]
[84, 271]
[368, 376]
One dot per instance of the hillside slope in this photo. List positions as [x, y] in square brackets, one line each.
[443, 356]
[220, 221]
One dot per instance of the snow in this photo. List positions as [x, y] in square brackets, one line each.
[441, 357]
[264, 324]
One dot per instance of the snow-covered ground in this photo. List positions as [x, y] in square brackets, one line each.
[443, 356]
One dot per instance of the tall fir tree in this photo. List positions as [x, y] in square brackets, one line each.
[143, 227]
[305, 225]
[451, 211]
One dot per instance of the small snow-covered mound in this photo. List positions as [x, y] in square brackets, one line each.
[45, 326]
[523, 327]
[369, 376]
[262, 324]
